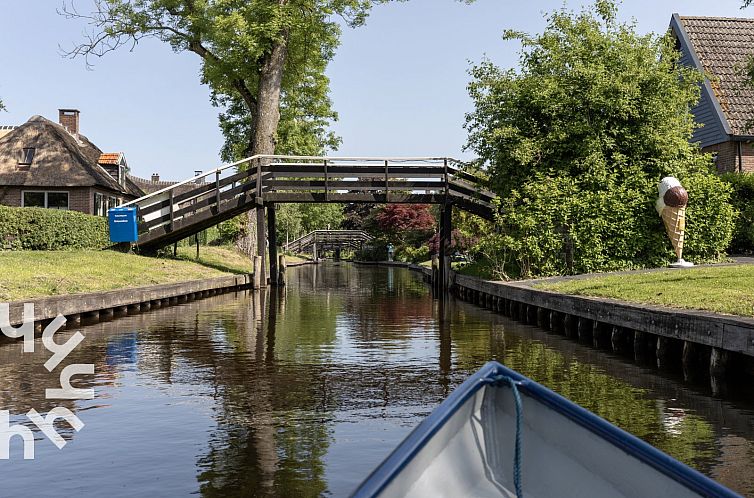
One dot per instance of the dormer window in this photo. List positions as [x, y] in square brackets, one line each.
[27, 156]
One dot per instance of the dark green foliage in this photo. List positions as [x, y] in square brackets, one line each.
[742, 199]
[231, 230]
[577, 141]
[39, 229]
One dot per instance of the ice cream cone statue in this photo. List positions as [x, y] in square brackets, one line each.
[671, 205]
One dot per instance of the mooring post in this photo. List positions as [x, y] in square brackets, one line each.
[446, 227]
[256, 283]
[262, 244]
[281, 270]
[273, 243]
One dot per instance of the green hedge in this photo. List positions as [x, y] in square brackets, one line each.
[557, 226]
[39, 229]
[742, 199]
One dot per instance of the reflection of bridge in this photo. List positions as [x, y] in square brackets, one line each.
[327, 240]
[176, 212]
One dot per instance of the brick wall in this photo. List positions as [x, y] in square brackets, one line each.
[10, 196]
[79, 198]
[727, 156]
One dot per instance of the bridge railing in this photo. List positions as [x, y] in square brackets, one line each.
[172, 204]
[344, 237]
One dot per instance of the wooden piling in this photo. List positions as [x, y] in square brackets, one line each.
[531, 314]
[662, 351]
[569, 326]
[584, 330]
[543, 321]
[718, 362]
[620, 339]
[256, 282]
[556, 322]
[282, 269]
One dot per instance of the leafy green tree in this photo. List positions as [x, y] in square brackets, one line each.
[577, 140]
[592, 98]
[261, 58]
[321, 216]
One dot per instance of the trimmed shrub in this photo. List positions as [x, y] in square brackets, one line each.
[39, 229]
[742, 199]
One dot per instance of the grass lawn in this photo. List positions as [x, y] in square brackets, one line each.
[27, 274]
[722, 289]
[223, 258]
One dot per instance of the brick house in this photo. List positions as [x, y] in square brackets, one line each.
[721, 47]
[52, 165]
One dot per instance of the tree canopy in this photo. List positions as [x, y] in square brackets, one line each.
[263, 59]
[591, 97]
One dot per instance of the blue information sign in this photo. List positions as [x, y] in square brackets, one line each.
[123, 224]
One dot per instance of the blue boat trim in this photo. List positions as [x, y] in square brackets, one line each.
[407, 450]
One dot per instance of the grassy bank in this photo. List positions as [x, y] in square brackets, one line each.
[722, 289]
[28, 274]
[222, 258]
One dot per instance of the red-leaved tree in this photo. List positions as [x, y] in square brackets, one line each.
[406, 223]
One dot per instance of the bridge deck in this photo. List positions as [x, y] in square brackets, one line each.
[191, 206]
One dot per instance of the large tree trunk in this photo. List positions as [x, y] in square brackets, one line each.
[265, 119]
[268, 98]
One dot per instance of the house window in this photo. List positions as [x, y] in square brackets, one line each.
[27, 156]
[33, 199]
[57, 200]
[50, 200]
[99, 205]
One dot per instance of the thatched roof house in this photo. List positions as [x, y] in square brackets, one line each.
[47, 164]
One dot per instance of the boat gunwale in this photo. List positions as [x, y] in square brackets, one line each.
[401, 456]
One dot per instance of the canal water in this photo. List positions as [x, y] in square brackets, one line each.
[302, 391]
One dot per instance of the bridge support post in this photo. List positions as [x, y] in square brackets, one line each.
[271, 236]
[446, 227]
[262, 245]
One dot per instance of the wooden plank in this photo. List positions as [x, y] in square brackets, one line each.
[351, 185]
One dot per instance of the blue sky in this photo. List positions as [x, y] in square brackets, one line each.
[399, 84]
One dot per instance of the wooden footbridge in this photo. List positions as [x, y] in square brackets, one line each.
[260, 182]
[327, 240]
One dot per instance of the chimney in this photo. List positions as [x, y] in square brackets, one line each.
[155, 177]
[69, 119]
[198, 172]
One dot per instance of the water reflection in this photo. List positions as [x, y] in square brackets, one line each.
[302, 390]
